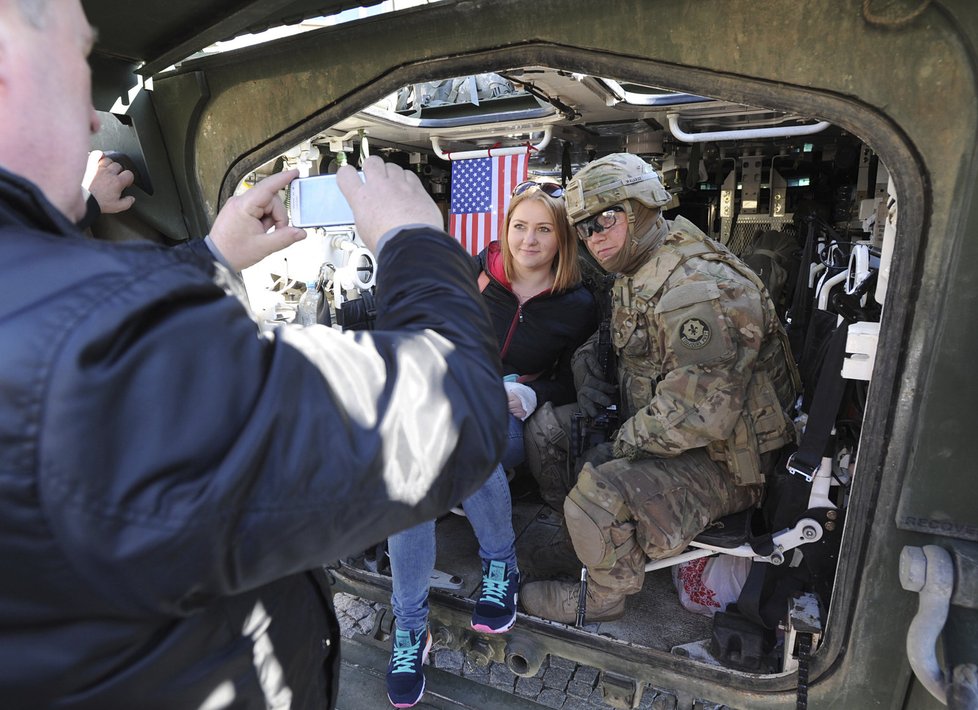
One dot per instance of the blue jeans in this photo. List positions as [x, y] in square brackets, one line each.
[514, 454]
[412, 552]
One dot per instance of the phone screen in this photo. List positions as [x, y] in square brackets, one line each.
[316, 201]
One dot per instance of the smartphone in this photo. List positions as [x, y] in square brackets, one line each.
[316, 201]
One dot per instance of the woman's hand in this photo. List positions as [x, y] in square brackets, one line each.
[516, 406]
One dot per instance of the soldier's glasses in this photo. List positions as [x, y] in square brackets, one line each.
[599, 222]
[548, 187]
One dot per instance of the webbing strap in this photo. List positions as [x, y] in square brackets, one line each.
[825, 407]
[804, 462]
[801, 300]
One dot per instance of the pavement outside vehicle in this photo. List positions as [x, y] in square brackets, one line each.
[456, 682]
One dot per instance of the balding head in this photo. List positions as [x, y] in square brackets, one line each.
[46, 115]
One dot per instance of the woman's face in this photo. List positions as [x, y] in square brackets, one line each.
[532, 236]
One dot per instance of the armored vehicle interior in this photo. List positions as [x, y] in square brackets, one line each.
[791, 149]
[761, 181]
[768, 184]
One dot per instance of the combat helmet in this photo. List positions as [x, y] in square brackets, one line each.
[612, 180]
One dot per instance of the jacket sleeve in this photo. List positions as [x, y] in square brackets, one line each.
[186, 457]
[710, 338]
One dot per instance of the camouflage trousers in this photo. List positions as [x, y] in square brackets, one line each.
[619, 512]
[547, 439]
[622, 512]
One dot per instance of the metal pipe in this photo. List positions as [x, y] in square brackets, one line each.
[826, 288]
[689, 556]
[523, 657]
[742, 134]
[490, 152]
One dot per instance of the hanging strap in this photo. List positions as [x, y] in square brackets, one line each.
[760, 587]
[801, 301]
[825, 408]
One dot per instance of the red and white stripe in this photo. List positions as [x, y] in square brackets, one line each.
[475, 230]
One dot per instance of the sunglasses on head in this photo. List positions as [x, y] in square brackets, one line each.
[599, 222]
[548, 187]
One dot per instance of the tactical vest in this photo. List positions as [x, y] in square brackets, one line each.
[763, 424]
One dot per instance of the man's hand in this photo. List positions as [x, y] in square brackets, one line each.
[594, 395]
[584, 363]
[105, 179]
[388, 197]
[624, 450]
[597, 455]
[254, 224]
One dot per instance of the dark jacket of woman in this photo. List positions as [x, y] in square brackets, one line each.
[537, 339]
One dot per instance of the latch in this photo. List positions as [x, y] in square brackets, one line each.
[621, 691]
[942, 578]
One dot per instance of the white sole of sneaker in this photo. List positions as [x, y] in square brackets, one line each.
[503, 629]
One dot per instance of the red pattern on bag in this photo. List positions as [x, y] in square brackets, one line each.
[691, 576]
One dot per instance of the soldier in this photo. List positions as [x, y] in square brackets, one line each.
[705, 382]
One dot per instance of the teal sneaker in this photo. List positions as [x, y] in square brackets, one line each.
[495, 612]
[405, 677]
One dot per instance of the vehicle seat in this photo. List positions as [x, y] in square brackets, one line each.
[737, 535]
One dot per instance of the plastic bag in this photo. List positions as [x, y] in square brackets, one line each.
[708, 584]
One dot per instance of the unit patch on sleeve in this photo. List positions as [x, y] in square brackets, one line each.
[694, 333]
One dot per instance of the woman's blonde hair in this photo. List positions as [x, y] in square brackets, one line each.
[567, 271]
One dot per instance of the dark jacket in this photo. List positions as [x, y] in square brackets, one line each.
[539, 337]
[169, 476]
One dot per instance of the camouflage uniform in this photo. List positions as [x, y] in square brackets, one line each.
[704, 383]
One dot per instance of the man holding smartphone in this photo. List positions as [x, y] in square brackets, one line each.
[171, 480]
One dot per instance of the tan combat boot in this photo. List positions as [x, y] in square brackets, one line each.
[557, 601]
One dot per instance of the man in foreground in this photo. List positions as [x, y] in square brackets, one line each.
[168, 476]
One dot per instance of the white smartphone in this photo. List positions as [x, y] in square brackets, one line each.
[316, 201]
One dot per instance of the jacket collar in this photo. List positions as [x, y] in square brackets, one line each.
[494, 265]
[23, 204]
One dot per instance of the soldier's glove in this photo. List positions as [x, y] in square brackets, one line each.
[594, 396]
[624, 450]
[585, 364]
[597, 455]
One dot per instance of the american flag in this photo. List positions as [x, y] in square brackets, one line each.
[480, 193]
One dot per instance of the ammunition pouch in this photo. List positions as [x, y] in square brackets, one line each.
[739, 453]
[547, 438]
[761, 427]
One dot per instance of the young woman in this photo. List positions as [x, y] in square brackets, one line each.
[541, 313]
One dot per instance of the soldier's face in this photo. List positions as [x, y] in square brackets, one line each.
[604, 246]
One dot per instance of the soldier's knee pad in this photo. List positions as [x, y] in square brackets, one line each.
[593, 512]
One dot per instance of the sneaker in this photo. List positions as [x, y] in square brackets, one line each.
[495, 612]
[405, 677]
